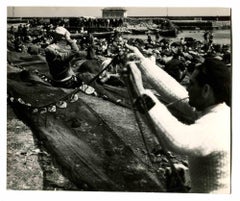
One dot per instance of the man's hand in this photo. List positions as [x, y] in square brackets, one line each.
[135, 52]
[67, 35]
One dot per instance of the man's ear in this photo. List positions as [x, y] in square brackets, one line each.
[206, 90]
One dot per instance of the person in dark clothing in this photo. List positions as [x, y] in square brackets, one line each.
[18, 44]
[172, 65]
[175, 68]
[149, 38]
[59, 56]
[92, 64]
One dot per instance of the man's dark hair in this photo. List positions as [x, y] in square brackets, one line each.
[215, 73]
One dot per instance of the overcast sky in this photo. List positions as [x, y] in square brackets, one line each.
[97, 11]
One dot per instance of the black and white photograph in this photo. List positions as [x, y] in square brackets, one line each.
[119, 99]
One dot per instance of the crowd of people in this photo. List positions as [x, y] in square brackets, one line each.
[96, 22]
[186, 68]
[187, 51]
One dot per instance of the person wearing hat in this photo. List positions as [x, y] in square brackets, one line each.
[206, 141]
[58, 56]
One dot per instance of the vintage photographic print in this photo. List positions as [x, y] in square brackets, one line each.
[119, 99]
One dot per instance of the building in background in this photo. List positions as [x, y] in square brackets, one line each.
[114, 12]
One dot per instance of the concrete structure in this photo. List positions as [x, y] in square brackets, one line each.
[114, 12]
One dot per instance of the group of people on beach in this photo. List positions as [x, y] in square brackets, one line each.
[197, 73]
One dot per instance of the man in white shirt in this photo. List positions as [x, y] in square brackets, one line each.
[206, 142]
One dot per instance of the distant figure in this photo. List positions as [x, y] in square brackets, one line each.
[157, 37]
[18, 44]
[210, 38]
[149, 38]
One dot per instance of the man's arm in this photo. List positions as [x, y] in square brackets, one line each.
[176, 136]
[168, 88]
[53, 54]
[71, 42]
[162, 82]
[198, 139]
[68, 56]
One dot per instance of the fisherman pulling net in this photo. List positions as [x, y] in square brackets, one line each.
[206, 142]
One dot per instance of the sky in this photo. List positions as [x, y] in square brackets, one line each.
[20, 11]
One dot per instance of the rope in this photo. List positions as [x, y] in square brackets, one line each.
[154, 131]
[135, 112]
[137, 117]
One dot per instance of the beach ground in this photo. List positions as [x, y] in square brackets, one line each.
[29, 166]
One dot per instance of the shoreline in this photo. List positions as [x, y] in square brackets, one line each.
[220, 36]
